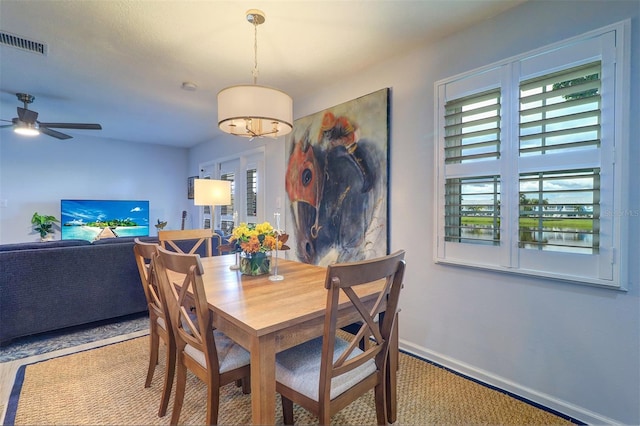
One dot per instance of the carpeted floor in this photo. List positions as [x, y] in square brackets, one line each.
[104, 386]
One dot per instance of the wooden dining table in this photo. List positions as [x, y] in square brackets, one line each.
[267, 317]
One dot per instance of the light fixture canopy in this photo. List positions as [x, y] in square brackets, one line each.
[211, 192]
[253, 110]
[26, 129]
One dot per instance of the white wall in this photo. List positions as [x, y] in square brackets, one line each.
[36, 173]
[569, 347]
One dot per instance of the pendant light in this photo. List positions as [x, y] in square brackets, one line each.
[253, 110]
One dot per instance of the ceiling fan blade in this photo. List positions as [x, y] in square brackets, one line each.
[79, 126]
[27, 115]
[53, 133]
[6, 125]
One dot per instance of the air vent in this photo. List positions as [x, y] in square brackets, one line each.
[18, 42]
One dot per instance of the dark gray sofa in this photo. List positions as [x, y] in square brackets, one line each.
[47, 286]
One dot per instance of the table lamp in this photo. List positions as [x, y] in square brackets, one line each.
[211, 192]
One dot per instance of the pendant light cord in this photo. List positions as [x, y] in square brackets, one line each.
[255, 52]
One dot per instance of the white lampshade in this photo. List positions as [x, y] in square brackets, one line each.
[210, 192]
[255, 111]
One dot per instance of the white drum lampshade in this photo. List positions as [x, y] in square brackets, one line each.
[255, 111]
[210, 192]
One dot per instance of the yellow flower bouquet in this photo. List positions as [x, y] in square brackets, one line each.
[254, 242]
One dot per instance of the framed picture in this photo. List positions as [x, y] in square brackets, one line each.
[337, 181]
[190, 183]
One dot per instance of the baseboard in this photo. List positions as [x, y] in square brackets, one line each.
[562, 408]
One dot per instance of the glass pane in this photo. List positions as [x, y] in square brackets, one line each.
[252, 192]
[472, 210]
[561, 111]
[226, 226]
[472, 128]
[228, 210]
[559, 211]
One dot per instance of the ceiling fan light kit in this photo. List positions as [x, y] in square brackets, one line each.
[26, 129]
[27, 124]
[253, 110]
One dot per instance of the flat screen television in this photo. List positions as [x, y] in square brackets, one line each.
[98, 219]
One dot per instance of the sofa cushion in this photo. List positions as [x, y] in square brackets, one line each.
[43, 245]
[121, 240]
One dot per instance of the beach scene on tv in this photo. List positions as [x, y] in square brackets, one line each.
[93, 220]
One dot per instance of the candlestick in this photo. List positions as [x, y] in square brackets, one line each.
[236, 266]
[275, 276]
[277, 216]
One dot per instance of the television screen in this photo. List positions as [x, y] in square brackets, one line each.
[98, 219]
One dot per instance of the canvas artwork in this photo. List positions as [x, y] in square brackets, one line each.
[336, 182]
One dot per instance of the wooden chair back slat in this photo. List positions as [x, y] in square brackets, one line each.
[201, 236]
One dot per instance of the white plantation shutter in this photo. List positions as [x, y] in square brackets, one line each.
[527, 173]
[470, 199]
[551, 203]
[226, 212]
[472, 128]
[252, 192]
[560, 113]
[472, 134]
[470, 162]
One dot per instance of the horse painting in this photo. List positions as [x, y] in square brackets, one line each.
[336, 182]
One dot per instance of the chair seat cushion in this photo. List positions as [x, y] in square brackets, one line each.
[230, 354]
[299, 369]
[161, 323]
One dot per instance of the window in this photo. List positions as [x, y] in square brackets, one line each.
[529, 158]
[227, 212]
[252, 192]
[247, 189]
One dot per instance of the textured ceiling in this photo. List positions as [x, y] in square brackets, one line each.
[121, 62]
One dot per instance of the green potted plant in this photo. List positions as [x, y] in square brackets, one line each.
[43, 224]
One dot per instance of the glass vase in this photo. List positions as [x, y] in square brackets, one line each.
[255, 263]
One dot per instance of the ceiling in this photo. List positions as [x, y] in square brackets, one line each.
[121, 63]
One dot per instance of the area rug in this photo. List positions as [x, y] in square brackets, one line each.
[105, 386]
[66, 338]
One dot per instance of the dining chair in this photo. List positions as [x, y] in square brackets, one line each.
[159, 324]
[328, 373]
[212, 356]
[189, 241]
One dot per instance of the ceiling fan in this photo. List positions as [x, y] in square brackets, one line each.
[26, 123]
